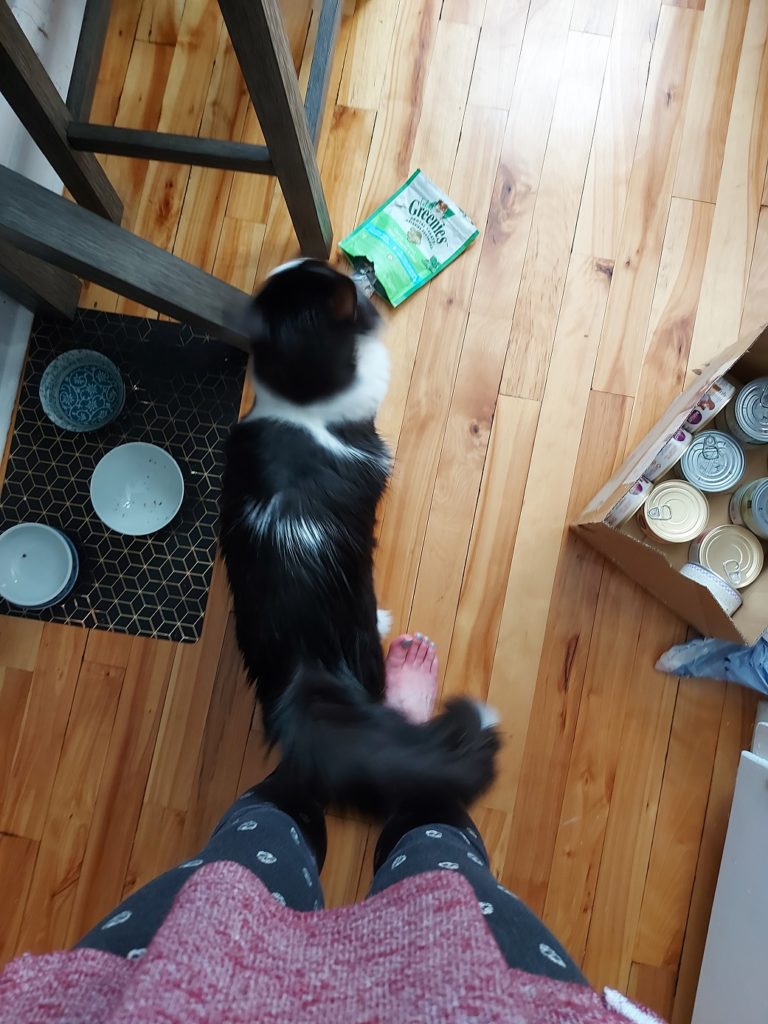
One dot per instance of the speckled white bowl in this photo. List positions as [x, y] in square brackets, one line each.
[137, 488]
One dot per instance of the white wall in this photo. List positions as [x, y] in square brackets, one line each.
[52, 26]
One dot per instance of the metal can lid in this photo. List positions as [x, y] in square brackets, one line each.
[730, 600]
[713, 462]
[751, 409]
[675, 511]
[735, 554]
[758, 494]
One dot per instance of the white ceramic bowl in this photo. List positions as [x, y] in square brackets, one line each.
[38, 565]
[137, 488]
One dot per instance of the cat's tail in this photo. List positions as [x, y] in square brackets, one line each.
[350, 751]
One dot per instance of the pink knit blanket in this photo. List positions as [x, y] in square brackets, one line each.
[227, 952]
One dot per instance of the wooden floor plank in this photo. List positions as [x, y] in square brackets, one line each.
[160, 21]
[17, 862]
[531, 107]
[140, 107]
[227, 727]
[682, 808]
[618, 120]
[121, 784]
[633, 805]
[592, 769]
[407, 508]
[492, 541]
[347, 840]
[756, 299]
[654, 987]
[207, 194]
[594, 16]
[62, 847]
[465, 12]
[459, 473]
[19, 642]
[367, 62]
[237, 255]
[563, 665]
[116, 55]
[15, 688]
[344, 164]
[498, 52]
[172, 777]
[534, 562]
[554, 217]
[26, 790]
[709, 110]
[673, 312]
[103, 648]
[445, 99]
[738, 199]
[182, 112]
[648, 197]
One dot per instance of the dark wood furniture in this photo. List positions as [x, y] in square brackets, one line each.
[45, 239]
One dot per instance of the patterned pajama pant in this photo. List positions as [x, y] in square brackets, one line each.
[273, 846]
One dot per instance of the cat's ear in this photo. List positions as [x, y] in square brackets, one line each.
[252, 323]
[342, 301]
[342, 291]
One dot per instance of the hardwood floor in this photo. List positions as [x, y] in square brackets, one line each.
[613, 153]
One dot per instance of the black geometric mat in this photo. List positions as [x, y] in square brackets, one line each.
[183, 393]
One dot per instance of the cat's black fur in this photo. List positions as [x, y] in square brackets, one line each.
[306, 612]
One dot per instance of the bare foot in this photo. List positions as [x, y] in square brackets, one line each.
[411, 686]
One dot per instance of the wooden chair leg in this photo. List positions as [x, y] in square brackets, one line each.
[259, 40]
[36, 102]
[36, 284]
[54, 229]
[85, 71]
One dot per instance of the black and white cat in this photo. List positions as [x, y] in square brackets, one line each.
[305, 470]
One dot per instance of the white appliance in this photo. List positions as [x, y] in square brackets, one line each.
[733, 984]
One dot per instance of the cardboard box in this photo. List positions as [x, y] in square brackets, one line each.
[655, 566]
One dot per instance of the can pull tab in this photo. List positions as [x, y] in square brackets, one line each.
[763, 404]
[660, 512]
[732, 570]
[710, 447]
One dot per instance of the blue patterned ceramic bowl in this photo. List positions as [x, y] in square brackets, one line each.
[81, 390]
[38, 565]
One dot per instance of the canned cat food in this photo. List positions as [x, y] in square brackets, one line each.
[747, 416]
[713, 462]
[674, 512]
[749, 507]
[668, 455]
[710, 404]
[629, 503]
[730, 600]
[735, 554]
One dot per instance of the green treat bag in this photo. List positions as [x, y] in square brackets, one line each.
[410, 238]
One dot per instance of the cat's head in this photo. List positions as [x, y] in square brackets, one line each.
[313, 336]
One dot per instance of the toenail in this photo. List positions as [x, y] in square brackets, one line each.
[419, 636]
[433, 645]
[406, 643]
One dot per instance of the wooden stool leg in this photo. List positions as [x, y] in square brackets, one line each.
[36, 102]
[58, 231]
[36, 284]
[259, 40]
